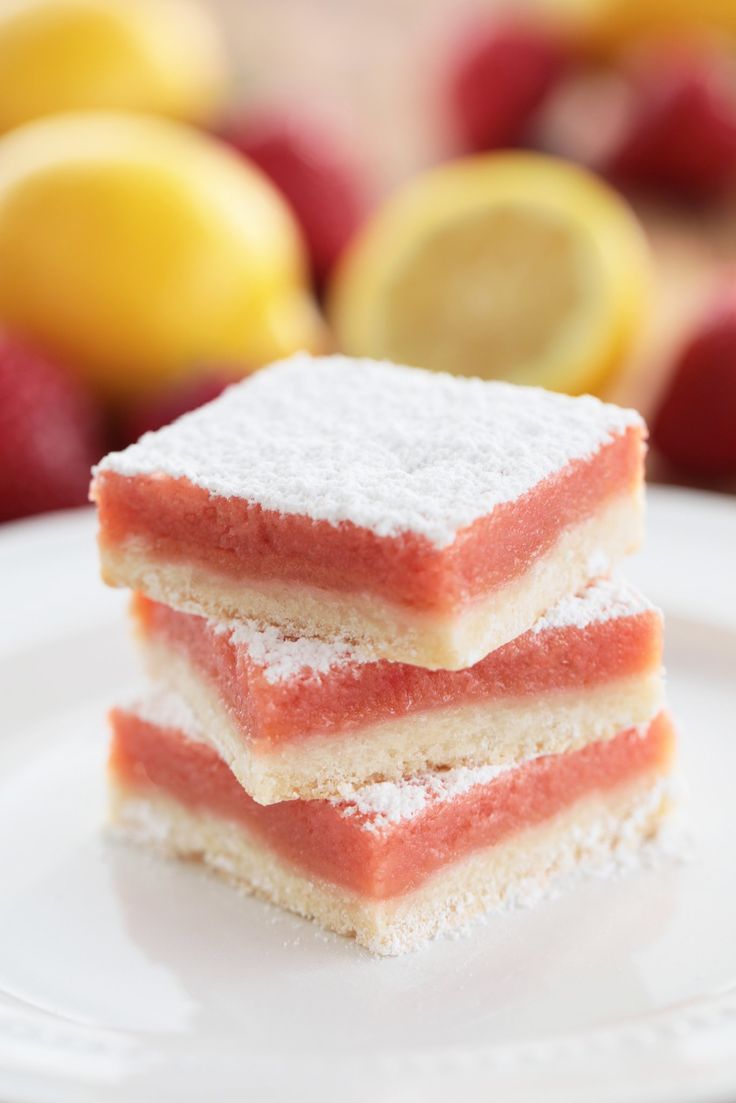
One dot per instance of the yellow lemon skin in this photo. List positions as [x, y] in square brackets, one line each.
[605, 27]
[506, 265]
[157, 56]
[136, 248]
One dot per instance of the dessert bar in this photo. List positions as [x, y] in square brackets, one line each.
[426, 518]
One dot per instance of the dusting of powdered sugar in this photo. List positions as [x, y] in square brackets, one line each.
[599, 563]
[282, 658]
[163, 708]
[384, 803]
[388, 448]
[605, 599]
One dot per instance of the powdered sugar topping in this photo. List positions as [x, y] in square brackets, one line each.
[164, 709]
[282, 658]
[606, 599]
[599, 563]
[389, 448]
[390, 802]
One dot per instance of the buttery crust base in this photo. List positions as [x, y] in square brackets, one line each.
[383, 628]
[501, 732]
[599, 834]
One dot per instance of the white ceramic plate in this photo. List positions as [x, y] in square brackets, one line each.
[125, 978]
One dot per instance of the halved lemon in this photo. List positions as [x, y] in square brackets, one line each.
[509, 266]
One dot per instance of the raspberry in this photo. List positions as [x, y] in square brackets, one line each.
[695, 425]
[155, 412]
[49, 433]
[315, 176]
[681, 135]
[498, 79]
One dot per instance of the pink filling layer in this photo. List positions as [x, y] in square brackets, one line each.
[347, 698]
[319, 839]
[183, 523]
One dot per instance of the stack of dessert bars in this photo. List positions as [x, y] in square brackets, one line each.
[395, 681]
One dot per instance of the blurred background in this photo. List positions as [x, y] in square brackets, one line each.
[544, 193]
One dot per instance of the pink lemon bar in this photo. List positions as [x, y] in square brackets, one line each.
[393, 864]
[303, 718]
[428, 518]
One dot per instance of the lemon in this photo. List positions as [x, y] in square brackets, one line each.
[135, 248]
[510, 265]
[602, 27]
[158, 56]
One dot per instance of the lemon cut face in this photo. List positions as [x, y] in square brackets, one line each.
[500, 290]
[506, 266]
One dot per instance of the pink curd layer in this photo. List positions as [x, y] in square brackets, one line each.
[232, 537]
[343, 846]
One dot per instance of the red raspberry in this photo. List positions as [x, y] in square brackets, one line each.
[314, 175]
[695, 425]
[49, 433]
[498, 79]
[163, 408]
[681, 135]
